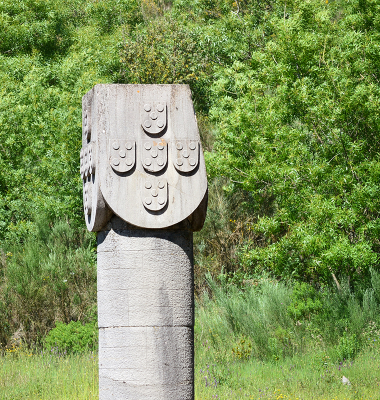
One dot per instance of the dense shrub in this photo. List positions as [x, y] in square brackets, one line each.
[270, 320]
[73, 337]
[49, 277]
[298, 132]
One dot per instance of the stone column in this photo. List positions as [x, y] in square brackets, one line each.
[144, 192]
[145, 306]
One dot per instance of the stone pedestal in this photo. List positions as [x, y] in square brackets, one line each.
[145, 313]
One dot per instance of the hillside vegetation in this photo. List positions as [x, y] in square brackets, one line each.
[287, 95]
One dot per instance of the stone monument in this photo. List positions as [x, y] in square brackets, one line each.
[144, 192]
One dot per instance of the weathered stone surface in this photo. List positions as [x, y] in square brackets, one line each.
[144, 192]
[145, 313]
[115, 390]
[147, 167]
[96, 211]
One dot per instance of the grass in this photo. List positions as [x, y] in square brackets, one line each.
[307, 377]
[312, 376]
[248, 345]
[26, 376]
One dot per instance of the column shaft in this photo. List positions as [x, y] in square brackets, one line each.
[145, 313]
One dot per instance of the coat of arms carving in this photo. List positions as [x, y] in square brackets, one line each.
[153, 117]
[122, 155]
[154, 193]
[144, 143]
[185, 155]
[154, 155]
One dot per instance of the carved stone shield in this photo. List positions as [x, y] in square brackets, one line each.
[154, 155]
[82, 163]
[154, 193]
[87, 161]
[87, 197]
[87, 124]
[122, 154]
[118, 185]
[185, 155]
[153, 117]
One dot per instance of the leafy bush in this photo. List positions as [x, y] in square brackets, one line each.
[297, 130]
[270, 320]
[347, 347]
[50, 277]
[305, 301]
[73, 337]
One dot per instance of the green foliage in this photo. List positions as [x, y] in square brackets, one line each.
[51, 53]
[110, 14]
[298, 131]
[347, 347]
[167, 51]
[34, 25]
[287, 96]
[73, 337]
[48, 375]
[256, 315]
[305, 301]
[49, 277]
[270, 320]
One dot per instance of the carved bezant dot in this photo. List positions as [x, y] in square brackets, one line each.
[147, 124]
[161, 200]
[192, 162]
[161, 185]
[185, 154]
[148, 161]
[179, 146]
[148, 185]
[147, 107]
[154, 153]
[154, 193]
[128, 146]
[129, 162]
[115, 162]
[192, 146]
[160, 107]
[148, 200]
[160, 146]
[122, 153]
[160, 123]
[179, 162]
[160, 162]
[115, 145]
[148, 145]
[153, 115]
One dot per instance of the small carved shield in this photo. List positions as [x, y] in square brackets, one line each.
[87, 124]
[185, 155]
[154, 193]
[87, 161]
[153, 117]
[122, 154]
[82, 163]
[154, 155]
[87, 197]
